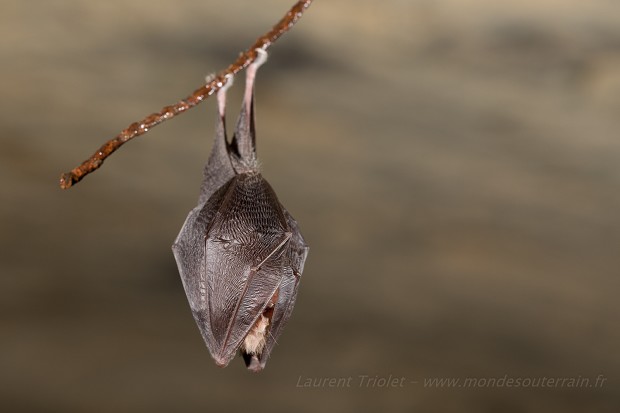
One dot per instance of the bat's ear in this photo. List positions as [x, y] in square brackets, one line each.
[244, 141]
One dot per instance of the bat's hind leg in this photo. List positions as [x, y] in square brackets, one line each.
[221, 95]
[245, 137]
[250, 76]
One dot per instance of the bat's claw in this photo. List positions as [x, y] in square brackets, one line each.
[229, 82]
[261, 57]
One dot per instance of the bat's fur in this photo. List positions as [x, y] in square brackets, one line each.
[257, 337]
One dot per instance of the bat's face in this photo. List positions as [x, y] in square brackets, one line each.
[240, 253]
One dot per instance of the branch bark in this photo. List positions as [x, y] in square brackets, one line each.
[95, 161]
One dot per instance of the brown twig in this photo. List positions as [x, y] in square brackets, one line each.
[68, 179]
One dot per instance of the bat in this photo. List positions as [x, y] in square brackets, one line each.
[240, 253]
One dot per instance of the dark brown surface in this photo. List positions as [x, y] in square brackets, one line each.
[453, 164]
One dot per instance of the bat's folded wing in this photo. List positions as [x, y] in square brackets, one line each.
[240, 256]
[293, 265]
[238, 289]
[229, 273]
[189, 253]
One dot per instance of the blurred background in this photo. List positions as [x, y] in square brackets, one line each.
[454, 166]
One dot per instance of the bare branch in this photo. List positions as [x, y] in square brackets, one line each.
[68, 179]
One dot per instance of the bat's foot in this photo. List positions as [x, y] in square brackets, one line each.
[250, 75]
[221, 95]
[260, 58]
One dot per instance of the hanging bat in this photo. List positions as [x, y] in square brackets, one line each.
[240, 253]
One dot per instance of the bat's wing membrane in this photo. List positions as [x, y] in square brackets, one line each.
[231, 254]
[237, 299]
[293, 265]
[189, 253]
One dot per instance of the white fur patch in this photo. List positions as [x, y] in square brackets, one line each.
[255, 340]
